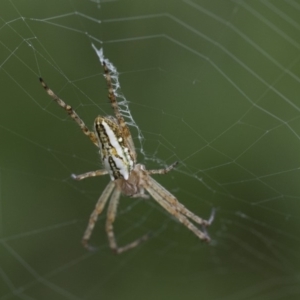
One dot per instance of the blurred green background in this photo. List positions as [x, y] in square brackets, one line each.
[212, 84]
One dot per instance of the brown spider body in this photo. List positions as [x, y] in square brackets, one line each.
[112, 136]
[134, 186]
[116, 156]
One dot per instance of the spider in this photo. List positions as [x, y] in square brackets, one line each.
[112, 136]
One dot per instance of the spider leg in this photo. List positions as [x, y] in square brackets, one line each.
[163, 171]
[89, 174]
[177, 214]
[164, 194]
[115, 106]
[111, 215]
[71, 113]
[171, 199]
[97, 211]
[113, 100]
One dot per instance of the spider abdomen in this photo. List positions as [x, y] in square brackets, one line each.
[115, 154]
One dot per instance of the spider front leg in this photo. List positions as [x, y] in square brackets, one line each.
[111, 215]
[175, 211]
[94, 216]
[172, 200]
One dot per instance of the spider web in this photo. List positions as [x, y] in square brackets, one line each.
[211, 84]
